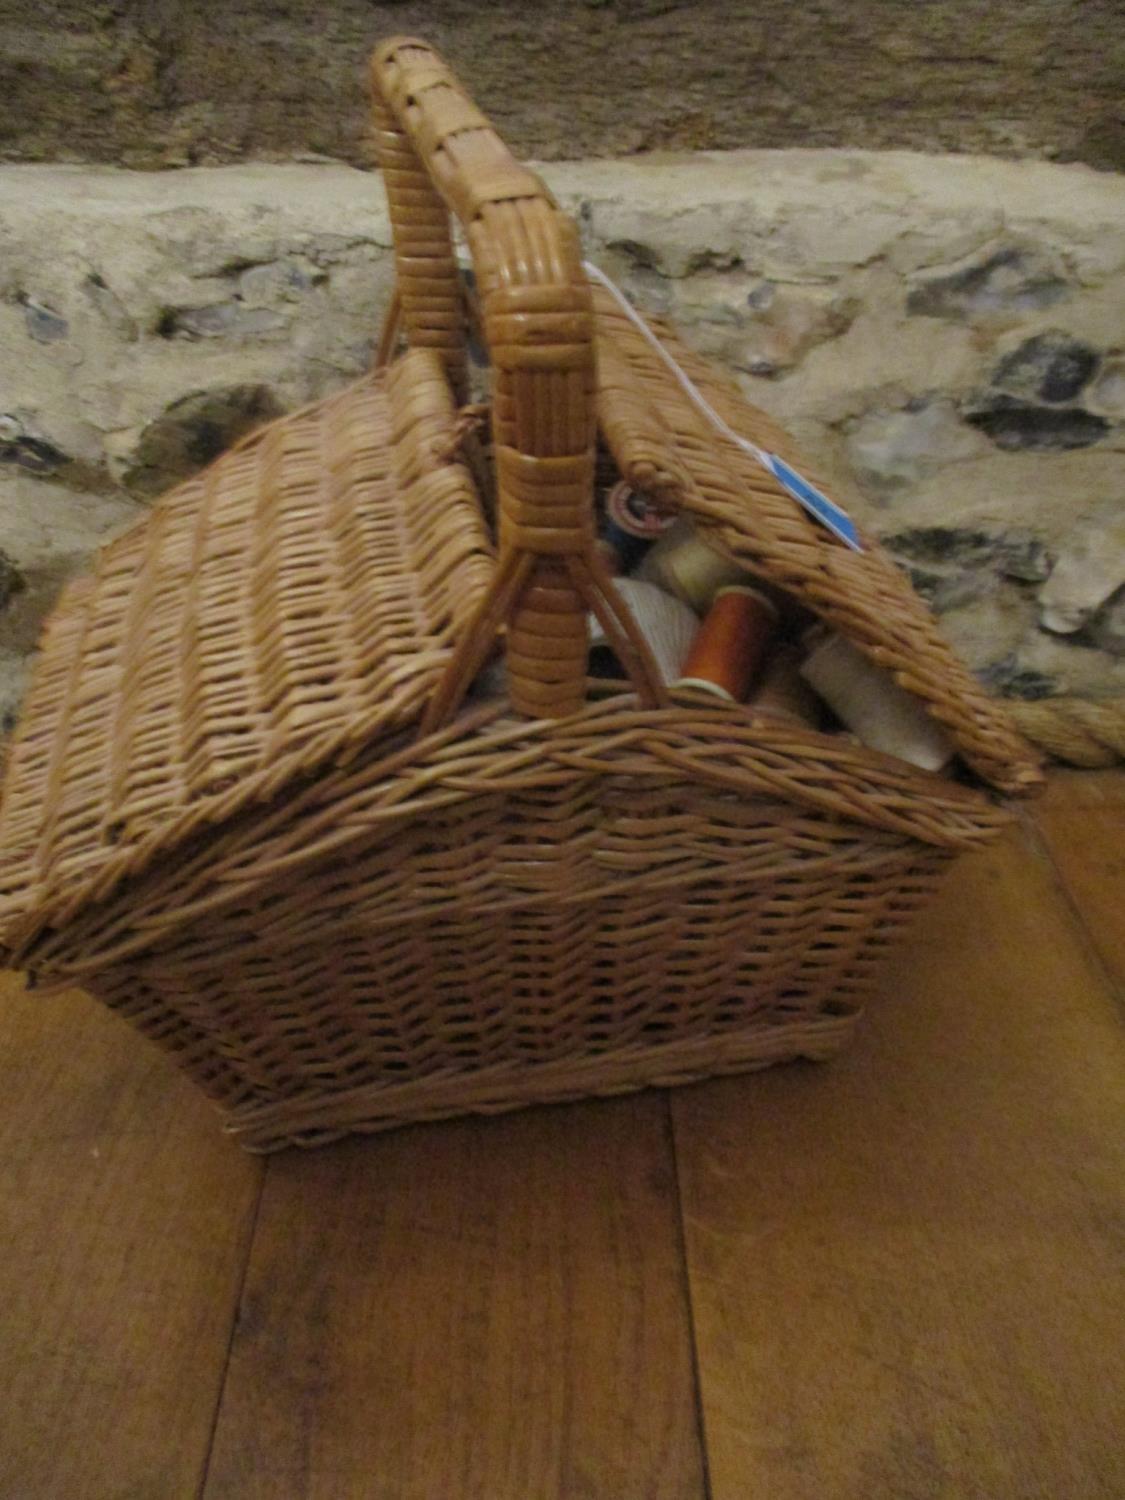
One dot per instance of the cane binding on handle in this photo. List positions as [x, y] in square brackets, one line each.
[438, 152]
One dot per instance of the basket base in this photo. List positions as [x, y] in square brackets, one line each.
[316, 1121]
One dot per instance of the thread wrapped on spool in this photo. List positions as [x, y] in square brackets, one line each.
[731, 644]
[632, 523]
[869, 701]
[782, 693]
[636, 513]
[667, 624]
[689, 567]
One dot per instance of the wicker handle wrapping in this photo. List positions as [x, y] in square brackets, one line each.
[439, 153]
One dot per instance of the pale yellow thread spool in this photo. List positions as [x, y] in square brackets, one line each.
[685, 565]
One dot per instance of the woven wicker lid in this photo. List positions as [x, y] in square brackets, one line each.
[277, 613]
[663, 442]
[293, 601]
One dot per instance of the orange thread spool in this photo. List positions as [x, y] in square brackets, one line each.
[732, 640]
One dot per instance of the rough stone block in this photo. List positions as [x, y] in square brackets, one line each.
[943, 335]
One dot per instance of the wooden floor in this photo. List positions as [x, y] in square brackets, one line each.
[898, 1274]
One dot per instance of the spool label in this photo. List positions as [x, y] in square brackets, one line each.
[818, 505]
[635, 513]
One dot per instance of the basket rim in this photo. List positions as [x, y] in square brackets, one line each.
[487, 750]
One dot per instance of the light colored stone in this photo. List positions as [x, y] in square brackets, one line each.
[817, 214]
[1006, 281]
[1045, 494]
[170, 284]
[1107, 630]
[1107, 396]
[882, 360]
[756, 325]
[1062, 666]
[990, 628]
[174, 307]
[996, 633]
[896, 448]
[1089, 570]
[45, 523]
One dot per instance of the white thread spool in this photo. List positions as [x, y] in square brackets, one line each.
[871, 703]
[667, 624]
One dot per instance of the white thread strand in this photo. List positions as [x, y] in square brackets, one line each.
[805, 494]
[687, 385]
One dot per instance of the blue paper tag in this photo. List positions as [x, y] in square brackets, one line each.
[826, 511]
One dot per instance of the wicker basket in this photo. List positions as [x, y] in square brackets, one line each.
[256, 805]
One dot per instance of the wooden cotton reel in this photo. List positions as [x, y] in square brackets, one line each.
[686, 566]
[667, 624]
[881, 714]
[727, 652]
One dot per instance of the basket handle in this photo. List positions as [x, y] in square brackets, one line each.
[439, 153]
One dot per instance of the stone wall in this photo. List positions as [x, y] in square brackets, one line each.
[946, 335]
[153, 83]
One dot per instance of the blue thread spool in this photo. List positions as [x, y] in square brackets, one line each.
[635, 512]
[627, 549]
[632, 523]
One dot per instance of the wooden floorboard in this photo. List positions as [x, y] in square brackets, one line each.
[906, 1264]
[1083, 821]
[489, 1309]
[124, 1229]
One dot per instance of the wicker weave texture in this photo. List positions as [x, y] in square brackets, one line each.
[260, 803]
[664, 444]
[624, 899]
[439, 150]
[296, 599]
[583, 923]
[487, 752]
